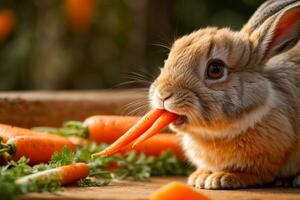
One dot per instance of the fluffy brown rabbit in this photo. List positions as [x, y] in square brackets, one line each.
[239, 97]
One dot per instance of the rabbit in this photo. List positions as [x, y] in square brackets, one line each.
[238, 97]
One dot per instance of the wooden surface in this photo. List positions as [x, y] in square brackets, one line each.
[45, 108]
[126, 190]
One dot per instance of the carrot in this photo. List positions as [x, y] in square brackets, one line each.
[79, 13]
[155, 145]
[177, 191]
[139, 128]
[7, 23]
[38, 149]
[108, 128]
[164, 120]
[65, 174]
[81, 142]
[7, 132]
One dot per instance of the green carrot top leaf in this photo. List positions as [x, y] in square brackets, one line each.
[69, 128]
[64, 157]
[88, 182]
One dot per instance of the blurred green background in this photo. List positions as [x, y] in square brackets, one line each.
[95, 44]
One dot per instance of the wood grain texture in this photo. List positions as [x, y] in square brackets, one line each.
[46, 108]
[127, 190]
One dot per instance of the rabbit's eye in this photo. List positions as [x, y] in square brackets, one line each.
[215, 69]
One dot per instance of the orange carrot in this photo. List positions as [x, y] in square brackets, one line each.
[155, 145]
[108, 128]
[79, 13]
[78, 141]
[177, 191]
[164, 120]
[38, 149]
[65, 174]
[7, 23]
[7, 132]
[134, 132]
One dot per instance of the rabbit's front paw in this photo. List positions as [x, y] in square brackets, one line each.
[198, 177]
[205, 179]
[223, 180]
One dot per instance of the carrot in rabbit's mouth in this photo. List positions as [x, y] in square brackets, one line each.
[153, 122]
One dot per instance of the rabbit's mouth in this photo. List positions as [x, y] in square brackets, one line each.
[181, 120]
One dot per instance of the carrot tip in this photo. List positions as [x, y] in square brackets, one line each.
[136, 143]
[98, 154]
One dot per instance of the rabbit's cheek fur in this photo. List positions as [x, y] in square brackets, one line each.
[229, 128]
[222, 113]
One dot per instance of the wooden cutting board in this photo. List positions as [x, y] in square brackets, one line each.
[128, 190]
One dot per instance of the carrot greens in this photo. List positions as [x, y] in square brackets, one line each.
[89, 182]
[69, 128]
[65, 157]
[13, 170]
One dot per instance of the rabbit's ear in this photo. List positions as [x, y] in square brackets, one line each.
[277, 33]
[265, 11]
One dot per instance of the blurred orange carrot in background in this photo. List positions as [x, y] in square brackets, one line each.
[79, 14]
[7, 23]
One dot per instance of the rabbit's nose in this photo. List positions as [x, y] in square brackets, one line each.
[164, 96]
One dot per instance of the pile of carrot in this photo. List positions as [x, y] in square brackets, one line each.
[127, 133]
[124, 132]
